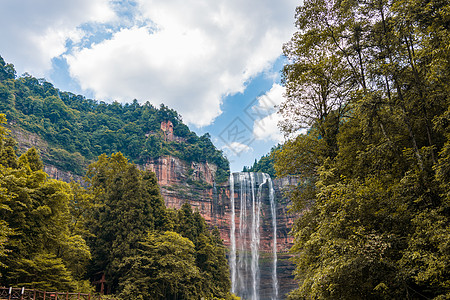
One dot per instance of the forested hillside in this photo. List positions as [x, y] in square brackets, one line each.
[371, 81]
[78, 130]
[60, 236]
[265, 164]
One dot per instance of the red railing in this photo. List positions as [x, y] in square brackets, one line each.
[29, 294]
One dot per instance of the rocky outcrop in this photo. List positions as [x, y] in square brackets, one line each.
[58, 174]
[26, 140]
[167, 129]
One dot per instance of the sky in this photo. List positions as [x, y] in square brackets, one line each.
[216, 62]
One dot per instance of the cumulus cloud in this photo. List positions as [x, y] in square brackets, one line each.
[236, 148]
[33, 32]
[265, 115]
[187, 54]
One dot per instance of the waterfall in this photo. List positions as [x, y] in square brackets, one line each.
[273, 210]
[232, 238]
[245, 233]
[255, 237]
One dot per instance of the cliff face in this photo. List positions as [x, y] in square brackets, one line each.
[194, 183]
[182, 182]
[58, 174]
[26, 140]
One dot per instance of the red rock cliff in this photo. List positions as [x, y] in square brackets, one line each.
[194, 183]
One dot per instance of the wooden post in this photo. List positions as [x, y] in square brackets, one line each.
[21, 293]
[78, 297]
[34, 294]
[45, 293]
[102, 284]
[89, 296]
[10, 291]
[67, 295]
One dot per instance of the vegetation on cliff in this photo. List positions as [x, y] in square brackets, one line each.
[78, 130]
[370, 80]
[60, 236]
[265, 164]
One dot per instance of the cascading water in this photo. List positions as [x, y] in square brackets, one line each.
[232, 238]
[252, 190]
[273, 210]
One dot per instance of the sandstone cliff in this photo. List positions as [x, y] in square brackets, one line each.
[194, 183]
[182, 182]
[26, 140]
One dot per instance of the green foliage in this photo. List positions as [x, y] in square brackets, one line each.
[145, 250]
[265, 164]
[44, 271]
[78, 129]
[368, 79]
[37, 248]
[165, 269]
[127, 204]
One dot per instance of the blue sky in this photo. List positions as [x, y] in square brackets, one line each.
[216, 62]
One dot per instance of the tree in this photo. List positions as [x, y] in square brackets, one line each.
[371, 195]
[209, 252]
[38, 250]
[7, 71]
[128, 204]
[164, 269]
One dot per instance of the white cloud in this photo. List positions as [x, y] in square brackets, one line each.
[187, 54]
[201, 52]
[265, 126]
[33, 32]
[236, 148]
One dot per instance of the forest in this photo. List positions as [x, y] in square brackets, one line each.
[61, 236]
[369, 80]
[78, 130]
[265, 163]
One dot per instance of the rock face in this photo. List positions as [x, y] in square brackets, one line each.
[26, 140]
[194, 183]
[58, 174]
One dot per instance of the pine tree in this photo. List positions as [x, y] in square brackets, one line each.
[128, 204]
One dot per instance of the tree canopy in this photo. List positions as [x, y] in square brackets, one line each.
[369, 79]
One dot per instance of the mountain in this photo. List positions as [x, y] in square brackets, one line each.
[72, 131]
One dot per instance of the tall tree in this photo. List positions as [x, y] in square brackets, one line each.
[128, 204]
[374, 206]
[40, 251]
[165, 269]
